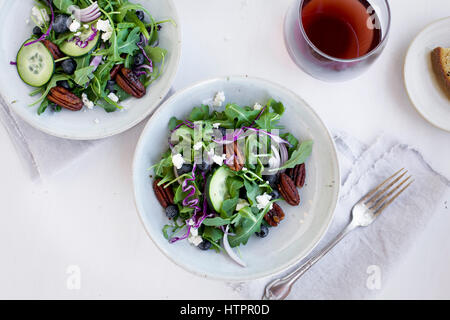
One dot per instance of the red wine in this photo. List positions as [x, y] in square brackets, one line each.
[342, 29]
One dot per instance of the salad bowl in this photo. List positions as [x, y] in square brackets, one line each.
[89, 123]
[302, 227]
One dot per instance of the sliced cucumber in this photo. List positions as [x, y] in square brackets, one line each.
[35, 64]
[71, 48]
[217, 188]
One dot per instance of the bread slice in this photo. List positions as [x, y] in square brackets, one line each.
[440, 59]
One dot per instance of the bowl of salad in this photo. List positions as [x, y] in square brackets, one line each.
[235, 178]
[83, 69]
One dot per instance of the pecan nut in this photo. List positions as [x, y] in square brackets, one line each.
[164, 195]
[274, 216]
[53, 48]
[115, 70]
[64, 98]
[298, 175]
[288, 190]
[129, 82]
[235, 159]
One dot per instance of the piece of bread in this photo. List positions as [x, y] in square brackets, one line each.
[440, 59]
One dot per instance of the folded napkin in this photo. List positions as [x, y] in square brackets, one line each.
[44, 155]
[361, 263]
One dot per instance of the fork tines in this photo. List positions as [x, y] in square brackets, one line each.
[383, 195]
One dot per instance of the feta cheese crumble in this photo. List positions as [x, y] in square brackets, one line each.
[105, 26]
[219, 99]
[87, 103]
[75, 25]
[39, 16]
[257, 106]
[194, 238]
[219, 159]
[113, 97]
[216, 125]
[178, 160]
[263, 200]
[198, 146]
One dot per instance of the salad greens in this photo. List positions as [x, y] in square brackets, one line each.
[85, 41]
[216, 203]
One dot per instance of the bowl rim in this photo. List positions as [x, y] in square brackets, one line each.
[132, 124]
[291, 261]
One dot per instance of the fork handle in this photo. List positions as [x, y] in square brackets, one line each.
[279, 288]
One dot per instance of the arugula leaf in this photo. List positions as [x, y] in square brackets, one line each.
[253, 190]
[83, 75]
[212, 233]
[155, 54]
[43, 107]
[216, 222]
[199, 113]
[276, 106]
[63, 5]
[234, 184]
[240, 115]
[127, 41]
[291, 139]
[51, 84]
[228, 207]
[298, 156]
[250, 224]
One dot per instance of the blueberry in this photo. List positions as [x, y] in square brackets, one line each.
[69, 66]
[140, 15]
[204, 166]
[139, 59]
[186, 168]
[272, 180]
[110, 85]
[171, 211]
[223, 131]
[63, 83]
[243, 193]
[37, 31]
[60, 25]
[264, 231]
[275, 194]
[204, 245]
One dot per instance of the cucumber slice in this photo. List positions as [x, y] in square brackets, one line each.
[217, 188]
[70, 48]
[35, 64]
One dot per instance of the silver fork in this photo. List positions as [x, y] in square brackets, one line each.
[364, 212]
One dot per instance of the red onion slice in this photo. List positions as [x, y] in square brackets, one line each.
[230, 251]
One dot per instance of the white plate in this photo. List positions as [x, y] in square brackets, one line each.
[421, 84]
[303, 226]
[81, 125]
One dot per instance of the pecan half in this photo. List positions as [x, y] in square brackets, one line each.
[53, 48]
[235, 159]
[115, 70]
[164, 195]
[64, 98]
[129, 82]
[274, 216]
[288, 190]
[297, 174]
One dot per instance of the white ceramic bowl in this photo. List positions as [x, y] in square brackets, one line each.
[81, 125]
[422, 86]
[303, 226]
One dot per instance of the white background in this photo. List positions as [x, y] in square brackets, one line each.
[85, 215]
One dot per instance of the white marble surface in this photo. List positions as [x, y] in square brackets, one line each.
[85, 215]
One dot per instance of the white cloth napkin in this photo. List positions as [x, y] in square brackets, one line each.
[44, 155]
[361, 263]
